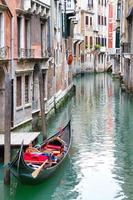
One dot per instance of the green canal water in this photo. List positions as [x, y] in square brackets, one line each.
[100, 162]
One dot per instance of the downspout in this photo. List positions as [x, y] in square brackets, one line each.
[12, 70]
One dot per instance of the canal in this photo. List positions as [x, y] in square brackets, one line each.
[100, 163]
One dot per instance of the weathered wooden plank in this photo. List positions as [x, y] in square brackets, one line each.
[18, 137]
[42, 106]
[7, 124]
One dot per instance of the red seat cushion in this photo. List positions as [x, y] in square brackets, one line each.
[51, 146]
[35, 158]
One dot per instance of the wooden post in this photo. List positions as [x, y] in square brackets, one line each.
[7, 143]
[42, 104]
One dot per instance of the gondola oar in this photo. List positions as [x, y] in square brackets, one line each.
[37, 171]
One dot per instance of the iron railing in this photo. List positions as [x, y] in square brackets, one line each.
[4, 53]
[46, 53]
[126, 47]
[26, 53]
[117, 50]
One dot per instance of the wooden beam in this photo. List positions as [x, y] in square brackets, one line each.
[7, 147]
[42, 104]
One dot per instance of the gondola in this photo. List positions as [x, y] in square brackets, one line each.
[34, 164]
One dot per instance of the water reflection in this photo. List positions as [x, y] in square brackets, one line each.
[100, 163]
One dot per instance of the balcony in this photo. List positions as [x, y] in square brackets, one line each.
[126, 47]
[40, 7]
[70, 6]
[26, 53]
[27, 4]
[118, 51]
[46, 53]
[78, 37]
[113, 51]
[102, 49]
[4, 53]
[126, 50]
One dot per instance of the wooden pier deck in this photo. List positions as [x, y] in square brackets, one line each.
[18, 137]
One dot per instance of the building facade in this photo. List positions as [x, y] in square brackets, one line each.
[127, 43]
[32, 49]
[93, 26]
[114, 36]
[5, 61]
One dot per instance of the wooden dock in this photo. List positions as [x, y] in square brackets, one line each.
[18, 137]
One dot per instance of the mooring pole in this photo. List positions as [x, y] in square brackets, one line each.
[7, 140]
[42, 103]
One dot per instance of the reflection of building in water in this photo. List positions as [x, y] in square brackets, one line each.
[123, 139]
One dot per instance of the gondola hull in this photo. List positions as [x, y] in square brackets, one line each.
[23, 172]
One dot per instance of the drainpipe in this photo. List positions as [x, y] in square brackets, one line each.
[13, 70]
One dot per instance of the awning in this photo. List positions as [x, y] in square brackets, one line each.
[130, 13]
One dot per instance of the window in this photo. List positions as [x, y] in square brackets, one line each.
[118, 11]
[19, 35]
[96, 40]
[105, 42]
[117, 42]
[102, 41]
[102, 23]
[44, 38]
[27, 34]
[1, 30]
[99, 40]
[99, 19]
[105, 21]
[86, 41]
[91, 41]
[27, 89]
[86, 20]
[19, 91]
[90, 3]
[19, 31]
[90, 21]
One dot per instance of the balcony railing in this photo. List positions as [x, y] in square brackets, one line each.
[4, 53]
[78, 36]
[46, 53]
[118, 51]
[26, 53]
[126, 47]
